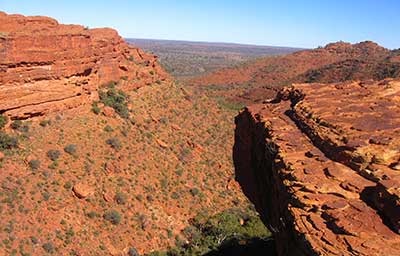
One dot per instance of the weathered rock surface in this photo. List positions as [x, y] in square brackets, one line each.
[47, 66]
[320, 164]
[82, 190]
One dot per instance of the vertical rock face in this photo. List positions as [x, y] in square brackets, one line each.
[322, 165]
[46, 66]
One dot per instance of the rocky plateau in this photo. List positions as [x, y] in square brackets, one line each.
[321, 163]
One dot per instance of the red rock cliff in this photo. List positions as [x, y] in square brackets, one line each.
[322, 165]
[47, 66]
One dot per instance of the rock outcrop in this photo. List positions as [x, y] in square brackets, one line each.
[321, 163]
[336, 62]
[47, 66]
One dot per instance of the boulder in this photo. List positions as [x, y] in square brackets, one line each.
[108, 111]
[82, 190]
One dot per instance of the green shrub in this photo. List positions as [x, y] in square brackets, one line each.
[3, 121]
[68, 185]
[229, 104]
[115, 143]
[7, 141]
[95, 108]
[70, 149]
[175, 195]
[112, 216]
[34, 240]
[53, 154]
[92, 214]
[120, 198]
[19, 126]
[116, 99]
[108, 128]
[45, 123]
[194, 191]
[208, 233]
[48, 247]
[46, 195]
[34, 164]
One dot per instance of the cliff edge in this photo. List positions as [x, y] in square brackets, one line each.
[47, 66]
[321, 162]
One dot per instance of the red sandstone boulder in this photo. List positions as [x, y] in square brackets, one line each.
[82, 190]
[108, 111]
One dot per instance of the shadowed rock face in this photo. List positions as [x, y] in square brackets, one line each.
[322, 165]
[47, 66]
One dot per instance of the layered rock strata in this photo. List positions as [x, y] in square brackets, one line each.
[322, 165]
[47, 66]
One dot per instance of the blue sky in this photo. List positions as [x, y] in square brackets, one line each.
[305, 23]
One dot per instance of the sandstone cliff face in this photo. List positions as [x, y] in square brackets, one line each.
[322, 165]
[47, 66]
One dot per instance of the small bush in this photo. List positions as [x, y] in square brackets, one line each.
[34, 164]
[3, 121]
[120, 198]
[48, 247]
[95, 108]
[194, 191]
[45, 123]
[112, 216]
[46, 195]
[115, 143]
[68, 185]
[116, 99]
[34, 240]
[92, 214]
[7, 141]
[175, 195]
[108, 128]
[70, 149]
[53, 154]
[19, 126]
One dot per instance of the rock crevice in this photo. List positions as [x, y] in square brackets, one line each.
[318, 163]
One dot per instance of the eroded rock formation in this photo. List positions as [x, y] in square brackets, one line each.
[322, 165]
[47, 66]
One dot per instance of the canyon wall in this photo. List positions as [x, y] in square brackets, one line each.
[321, 163]
[47, 66]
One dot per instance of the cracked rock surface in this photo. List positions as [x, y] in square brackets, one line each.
[321, 164]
